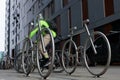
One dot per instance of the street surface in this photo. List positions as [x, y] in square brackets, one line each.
[81, 73]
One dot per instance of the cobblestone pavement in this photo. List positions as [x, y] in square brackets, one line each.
[81, 73]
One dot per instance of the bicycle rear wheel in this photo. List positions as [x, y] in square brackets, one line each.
[27, 56]
[69, 56]
[50, 49]
[99, 62]
[18, 63]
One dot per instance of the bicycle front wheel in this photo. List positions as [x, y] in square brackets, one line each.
[45, 71]
[69, 56]
[27, 56]
[97, 63]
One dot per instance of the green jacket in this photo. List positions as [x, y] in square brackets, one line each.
[43, 23]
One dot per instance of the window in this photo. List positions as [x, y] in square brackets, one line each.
[18, 37]
[19, 26]
[13, 7]
[18, 5]
[13, 32]
[16, 1]
[13, 23]
[12, 41]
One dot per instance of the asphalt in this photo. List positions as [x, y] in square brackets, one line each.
[81, 73]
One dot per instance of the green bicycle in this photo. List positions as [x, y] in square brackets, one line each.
[32, 52]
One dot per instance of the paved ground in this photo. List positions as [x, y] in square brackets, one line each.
[113, 73]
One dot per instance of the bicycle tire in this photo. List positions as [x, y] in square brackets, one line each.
[18, 63]
[98, 63]
[50, 48]
[27, 56]
[69, 56]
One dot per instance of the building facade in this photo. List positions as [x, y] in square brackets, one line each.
[7, 27]
[104, 15]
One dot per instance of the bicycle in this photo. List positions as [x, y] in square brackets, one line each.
[18, 63]
[30, 46]
[70, 53]
[96, 43]
[96, 51]
[7, 62]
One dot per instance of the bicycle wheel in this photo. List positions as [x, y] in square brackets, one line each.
[69, 56]
[58, 62]
[99, 62]
[18, 63]
[26, 56]
[50, 49]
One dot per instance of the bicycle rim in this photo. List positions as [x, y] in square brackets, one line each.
[50, 48]
[69, 56]
[97, 64]
[26, 57]
[18, 63]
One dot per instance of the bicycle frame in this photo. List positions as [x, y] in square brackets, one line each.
[89, 35]
[71, 35]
